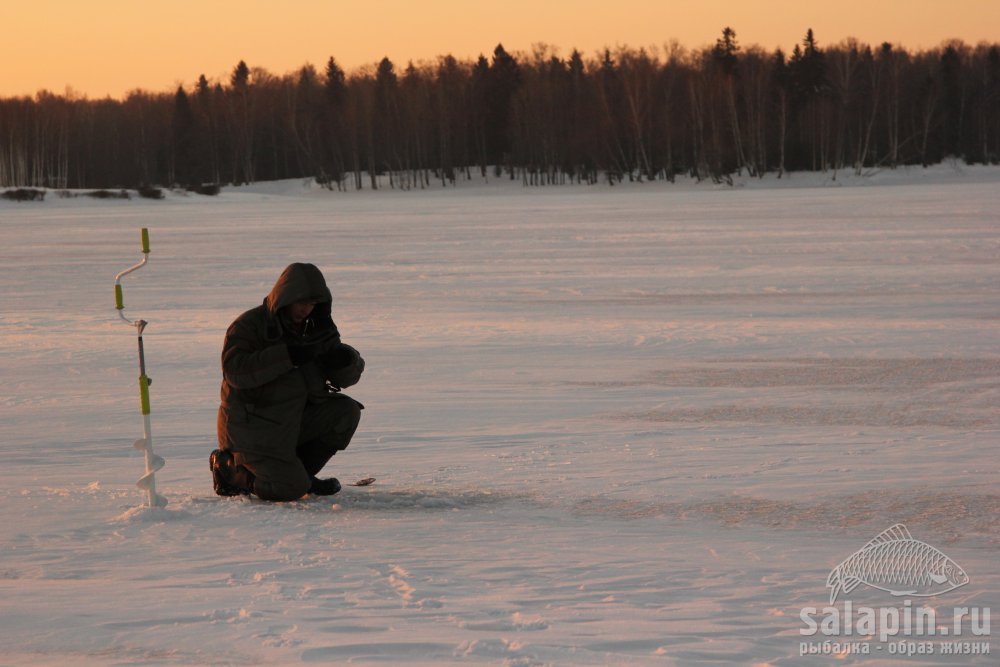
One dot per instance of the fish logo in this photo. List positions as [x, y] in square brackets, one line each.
[896, 563]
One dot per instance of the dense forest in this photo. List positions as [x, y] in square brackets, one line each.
[536, 117]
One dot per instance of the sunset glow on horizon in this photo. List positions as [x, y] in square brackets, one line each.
[109, 47]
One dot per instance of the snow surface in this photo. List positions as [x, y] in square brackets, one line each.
[611, 425]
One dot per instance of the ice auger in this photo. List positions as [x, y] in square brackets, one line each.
[144, 444]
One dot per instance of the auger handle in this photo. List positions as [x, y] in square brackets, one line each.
[119, 295]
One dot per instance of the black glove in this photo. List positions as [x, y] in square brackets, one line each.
[320, 339]
[301, 354]
[342, 365]
[336, 357]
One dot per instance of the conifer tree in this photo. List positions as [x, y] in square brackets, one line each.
[185, 142]
[502, 82]
[335, 90]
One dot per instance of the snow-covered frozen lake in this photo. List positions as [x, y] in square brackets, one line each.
[630, 425]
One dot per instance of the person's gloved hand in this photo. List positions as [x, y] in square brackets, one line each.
[301, 354]
[321, 331]
[342, 365]
[337, 356]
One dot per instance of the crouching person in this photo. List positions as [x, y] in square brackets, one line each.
[283, 415]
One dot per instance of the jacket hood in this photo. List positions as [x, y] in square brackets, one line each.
[298, 282]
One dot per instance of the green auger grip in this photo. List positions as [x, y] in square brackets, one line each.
[119, 298]
[145, 240]
[144, 394]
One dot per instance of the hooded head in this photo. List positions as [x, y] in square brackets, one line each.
[299, 282]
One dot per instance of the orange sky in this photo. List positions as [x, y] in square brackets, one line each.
[107, 47]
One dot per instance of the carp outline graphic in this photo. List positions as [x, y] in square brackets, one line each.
[896, 563]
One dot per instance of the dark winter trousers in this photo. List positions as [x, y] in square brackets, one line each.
[327, 428]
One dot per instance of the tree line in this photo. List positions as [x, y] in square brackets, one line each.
[624, 114]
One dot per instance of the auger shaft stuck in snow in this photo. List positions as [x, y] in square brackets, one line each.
[144, 444]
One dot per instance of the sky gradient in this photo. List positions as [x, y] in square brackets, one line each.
[108, 47]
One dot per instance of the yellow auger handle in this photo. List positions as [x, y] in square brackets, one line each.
[144, 394]
[119, 297]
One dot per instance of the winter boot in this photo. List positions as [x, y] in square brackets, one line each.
[324, 487]
[229, 479]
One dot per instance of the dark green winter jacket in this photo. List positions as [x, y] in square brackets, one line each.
[263, 392]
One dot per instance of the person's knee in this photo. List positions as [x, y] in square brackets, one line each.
[345, 427]
[288, 485]
[281, 491]
[353, 417]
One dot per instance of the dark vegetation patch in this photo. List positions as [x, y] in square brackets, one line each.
[149, 192]
[24, 194]
[208, 189]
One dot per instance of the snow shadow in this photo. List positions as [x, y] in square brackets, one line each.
[952, 517]
[367, 499]
[421, 499]
[897, 393]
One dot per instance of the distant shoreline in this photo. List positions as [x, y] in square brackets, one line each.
[951, 172]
